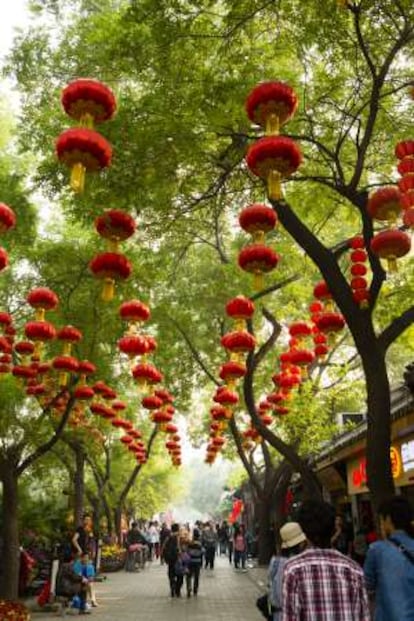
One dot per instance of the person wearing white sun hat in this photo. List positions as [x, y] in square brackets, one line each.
[293, 541]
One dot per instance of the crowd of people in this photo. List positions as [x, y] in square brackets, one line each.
[317, 572]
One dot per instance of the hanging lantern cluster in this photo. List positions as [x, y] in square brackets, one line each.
[115, 226]
[384, 206]
[359, 283]
[258, 258]
[327, 320]
[405, 154]
[7, 222]
[173, 445]
[83, 149]
[273, 157]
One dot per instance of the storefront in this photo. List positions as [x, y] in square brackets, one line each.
[341, 467]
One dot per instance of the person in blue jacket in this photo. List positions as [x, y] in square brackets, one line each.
[389, 565]
[84, 567]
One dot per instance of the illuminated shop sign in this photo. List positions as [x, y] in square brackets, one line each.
[407, 455]
[359, 472]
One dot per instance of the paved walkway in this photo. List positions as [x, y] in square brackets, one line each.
[224, 595]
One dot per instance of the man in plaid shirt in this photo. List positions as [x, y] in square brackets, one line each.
[321, 584]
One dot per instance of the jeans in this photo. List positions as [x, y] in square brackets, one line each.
[192, 578]
[239, 556]
[176, 582]
[210, 554]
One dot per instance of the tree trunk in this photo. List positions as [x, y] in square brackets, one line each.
[10, 534]
[118, 523]
[379, 474]
[79, 483]
[265, 537]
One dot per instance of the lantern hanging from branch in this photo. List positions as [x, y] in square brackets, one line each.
[274, 158]
[258, 259]
[359, 284]
[83, 150]
[240, 309]
[115, 226]
[271, 104]
[257, 220]
[391, 245]
[88, 101]
[110, 267]
[7, 218]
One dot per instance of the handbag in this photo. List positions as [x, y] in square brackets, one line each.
[262, 603]
[179, 568]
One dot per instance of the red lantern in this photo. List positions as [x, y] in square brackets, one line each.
[86, 367]
[271, 104]
[321, 291]
[65, 364]
[274, 158]
[134, 345]
[240, 309]
[266, 419]
[408, 217]
[121, 423]
[160, 417]
[330, 322]
[126, 439]
[151, 402]
[42, 299]
[7, 218]
[146, 373]
[25, 348]
[231, 371]
[384, 204]
[110, 266]
[218, 441]
[115, 226]
[69, 335]
[4, 259]
[88, 101]
[226, 397]
[391, 245]
[321, 350]
[83, 150]
[257, 220]
[239, 342]
[220, 413]
[258, 259]
[404, 149]
[23, 372]
[300, 329]
[5, 319]
[302, 357]
[84, 393]
[134, 311]
[281, 409]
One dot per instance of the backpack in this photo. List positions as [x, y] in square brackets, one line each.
[170, 550]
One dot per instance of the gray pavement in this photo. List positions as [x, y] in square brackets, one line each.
[224, 595]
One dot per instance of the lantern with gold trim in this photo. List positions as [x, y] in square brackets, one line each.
[110, 267]
[391, 245]
[273, 159]
[271, 104]
[258, 259]
[358, 283]
[240, 309]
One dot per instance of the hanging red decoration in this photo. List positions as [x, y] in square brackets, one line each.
[274, 158]
[83, 150]
[266, 419]
[115, 226]
[240, 309]
[220, 413]
[257, 220]
[24, 348]
[330, 322]
[146, 373]
[88, 101]
[408, 217]
[232, 371]
[66, 365]
[359, 284]
[226, 397]
[384, 204]
[23, 372]
[321, 292]
[281, 410]
[69, 335]
[258, 259]
[133, 345]
[7, 218]
[4, 259]
[84, 393]
[39, 332]
[391, 245]
[134, 311]
[42, 299]
[5, 319]
[238, 342]
[151, 402]
[110, 266]
[271, 104]
[299, 330]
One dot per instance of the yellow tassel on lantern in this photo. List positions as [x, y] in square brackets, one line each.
[40, 314]
[108, 289]
[77, 177]
[272, 125]
[113, 245]
[258, 281]
[240, 325]
[274, 188]
[392, 266]
[63, 379]
[86, 120]
[37, 352]
[258, 237]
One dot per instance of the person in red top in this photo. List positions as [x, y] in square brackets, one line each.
[321, 584]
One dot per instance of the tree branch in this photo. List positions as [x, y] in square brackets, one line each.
[396, 328]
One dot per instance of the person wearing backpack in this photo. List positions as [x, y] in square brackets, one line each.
[389, 566]
[170, 553]
[195, 555]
